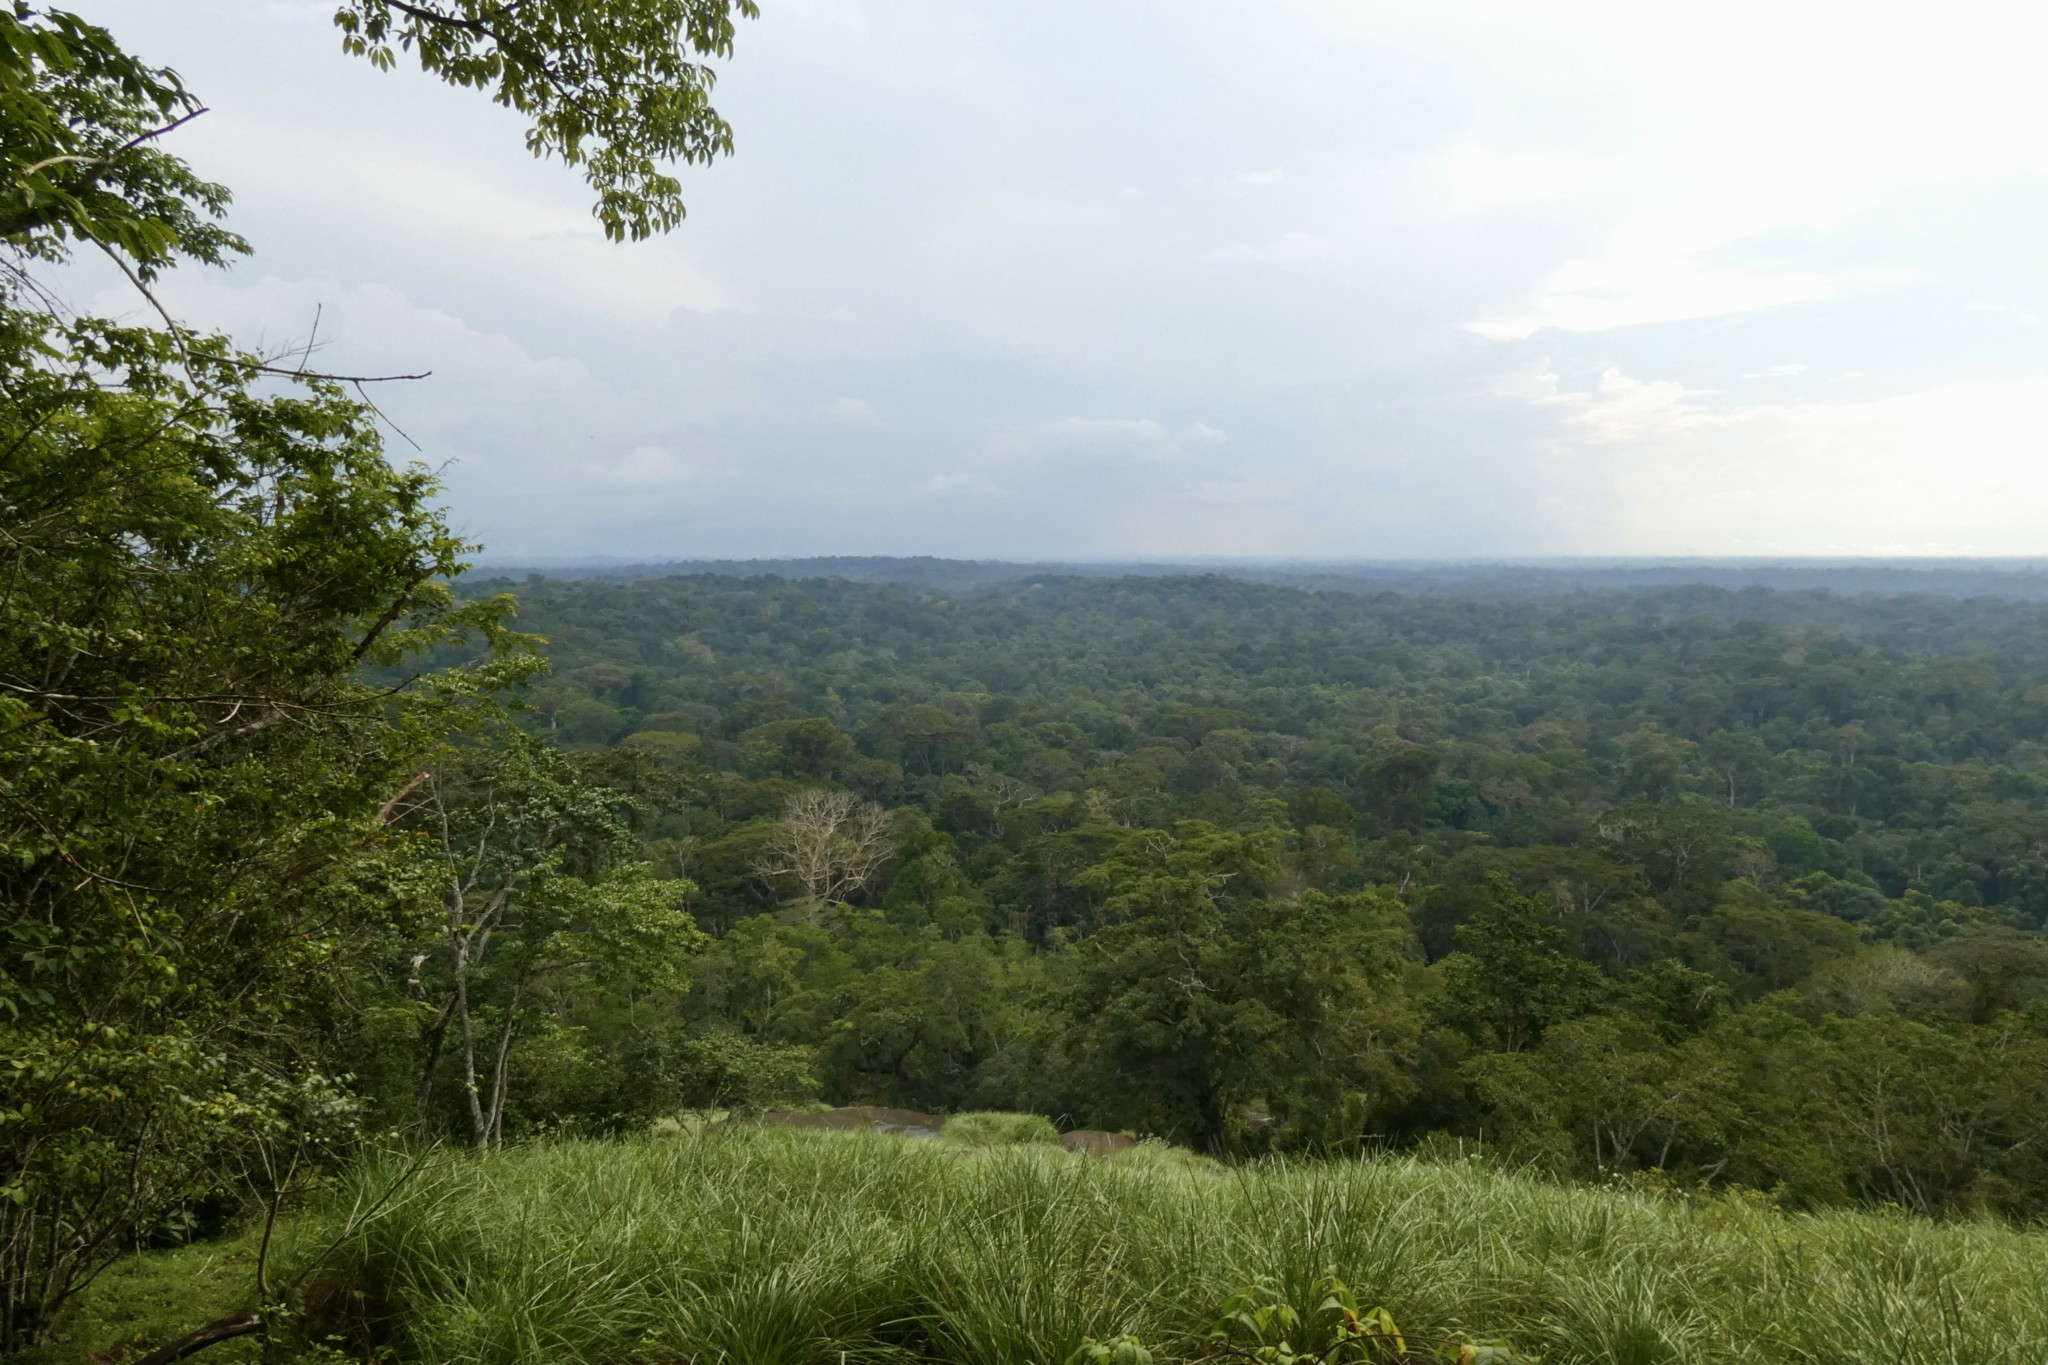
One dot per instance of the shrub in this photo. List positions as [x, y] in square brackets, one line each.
[995, 1129]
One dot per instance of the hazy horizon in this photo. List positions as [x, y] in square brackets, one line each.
[486, 559]
[2014, 579]
[1317, 280]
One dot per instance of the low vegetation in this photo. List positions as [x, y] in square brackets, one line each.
[770, 1245]
[999, 1130]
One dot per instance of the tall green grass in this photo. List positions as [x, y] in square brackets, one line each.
[773, 1247]
[995, 1129]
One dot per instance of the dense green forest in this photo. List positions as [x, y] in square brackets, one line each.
[1738, 886]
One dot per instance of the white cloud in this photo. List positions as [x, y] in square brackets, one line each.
[1957, 469]
[964, 485]
[1257, 484]
[419, 199]
[2025, 315]
[1475, 177]
[376, 329]
[533, 438]
[946, 226]
[648, 467]
[1119, 439]
[1717, 130]
[1622, 291]
[852, 412]
[1289, 248]
[1106, 431]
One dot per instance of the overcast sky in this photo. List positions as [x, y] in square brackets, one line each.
[1187, 277]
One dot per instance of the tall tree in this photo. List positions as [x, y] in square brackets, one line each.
[1208, 991]
[194, 758]
[1512, 979]
[209, 593]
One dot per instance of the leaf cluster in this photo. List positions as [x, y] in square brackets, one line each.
[613, 87]
[80, 160]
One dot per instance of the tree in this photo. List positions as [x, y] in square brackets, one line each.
[1776, 945]
[1511, 979]
[1605, 1093]
[1683, 847]
[723, 1071]
[536, 875]
[830, 843]
[1399, 781]
[1207, 992]
[1159, 1016]
[211, 594]
[1738, 760]
[195, 762]
[1919, 1114]
[1329, 968]
[611, 86]
[2001, 969]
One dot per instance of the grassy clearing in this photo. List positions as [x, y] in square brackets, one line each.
[144, 1301]
[766, 1246]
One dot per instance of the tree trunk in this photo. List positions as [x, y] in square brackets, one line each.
[437, 1042]
[477, 1127]
[1214, 1118]
[494, 1128]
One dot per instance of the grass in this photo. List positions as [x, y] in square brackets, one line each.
[765, 1246]
[992, 1129]
[142, 1302]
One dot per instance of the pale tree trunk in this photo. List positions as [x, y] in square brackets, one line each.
[469, 1091]
[466, 944]
[494, 1131]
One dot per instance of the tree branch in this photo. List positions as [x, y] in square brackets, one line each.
[215, 1332]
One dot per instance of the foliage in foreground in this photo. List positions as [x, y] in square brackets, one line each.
[768, 1246]
[200, 568]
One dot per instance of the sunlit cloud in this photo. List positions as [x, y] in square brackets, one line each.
[1956, 469]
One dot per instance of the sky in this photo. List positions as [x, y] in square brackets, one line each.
[1188, 278]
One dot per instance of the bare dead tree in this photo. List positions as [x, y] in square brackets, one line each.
[999, 789]
[830, 843]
